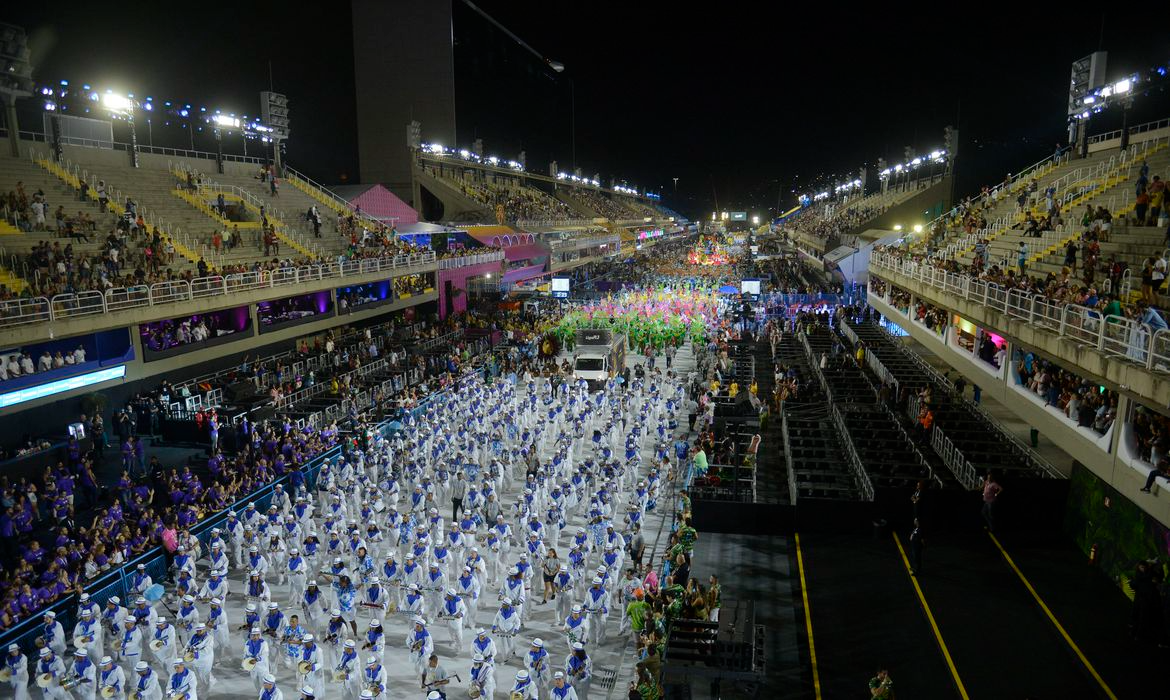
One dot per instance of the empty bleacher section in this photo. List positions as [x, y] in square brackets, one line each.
[823, 227]
[956, 429]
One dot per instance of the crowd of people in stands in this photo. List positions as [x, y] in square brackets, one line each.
[931, 316]
[67, 529]
[517, 203]
[21, 364]
[1089, 404]
[173, 333]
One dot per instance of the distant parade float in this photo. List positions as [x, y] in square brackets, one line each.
[708, 251]
[649, 319]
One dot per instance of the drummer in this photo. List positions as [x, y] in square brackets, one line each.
[86, 673]
[89, 632]
[201, 647]
[347, 665]
[53, 633]
[113, 677]
[16, 664]
[147, 683]
[182, 682]
[52, 666]
[311, 654]
[164, 642]
[270, 691]
[131, 642]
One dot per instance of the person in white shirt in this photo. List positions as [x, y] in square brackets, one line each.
[13, 367]
[58, 360]
[112, 676]
[3, 369]
[146, 684]
[86, 673]
[26, 365]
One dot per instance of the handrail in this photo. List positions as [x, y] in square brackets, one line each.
[18, 312]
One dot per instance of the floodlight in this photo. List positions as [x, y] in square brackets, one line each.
[1122, 86]
[117, 103]
[917, 228]
[226, 121]
[897, 227]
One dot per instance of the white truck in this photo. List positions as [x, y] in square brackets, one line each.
[599, 355]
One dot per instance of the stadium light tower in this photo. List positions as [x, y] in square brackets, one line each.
[123, 106]
[559, 68]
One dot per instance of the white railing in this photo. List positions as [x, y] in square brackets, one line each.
[474, 259]
[19, 312]
[1118, 337]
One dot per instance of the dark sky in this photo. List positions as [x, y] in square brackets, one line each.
[739, 101]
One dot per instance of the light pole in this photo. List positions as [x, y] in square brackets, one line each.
[559, 68]
[120, 105]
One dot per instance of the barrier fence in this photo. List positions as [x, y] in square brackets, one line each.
[1119, 337]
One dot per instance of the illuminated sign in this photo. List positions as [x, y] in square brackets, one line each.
[560, 287]
[739, 216]
[61, 385]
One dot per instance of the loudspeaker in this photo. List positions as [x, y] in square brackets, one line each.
[239, 390]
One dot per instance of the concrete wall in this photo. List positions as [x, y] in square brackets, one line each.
[912, 210]
[1108, 457]
[404, 69]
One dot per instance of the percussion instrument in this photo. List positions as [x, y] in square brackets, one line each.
[44, 680]
[81, 641]
[189, 656]
[135, 695]
[176, 696]
[474, 691]
[109, 691]
[118, 644]
[249, 664]
[338, 676]
[70, 682]
[5, 674]
[517, 695]
[304, 668]
[156, 645]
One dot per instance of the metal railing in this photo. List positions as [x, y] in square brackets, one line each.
[1116, 336]
[472, 259]
[20, 312]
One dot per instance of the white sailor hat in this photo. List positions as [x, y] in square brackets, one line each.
[349, 644]
[269, 678]
[335, 612]
[141, 667]
[273, 606]
[161, 620]
[307, 638]
[522, 675]
[596, 580]
[538, 643]
[86, 613]
[576, 608]
[216, 601]
[80, 652]
[13, 647]
[250, 607]
[558, 675]
[45, 651]
[254, 630]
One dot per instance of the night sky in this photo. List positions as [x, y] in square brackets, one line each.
[740, 102]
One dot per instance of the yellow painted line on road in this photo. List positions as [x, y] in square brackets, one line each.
[1059, 627]
[933, 625]
[812, 648]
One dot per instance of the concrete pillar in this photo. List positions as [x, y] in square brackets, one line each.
[13, 125]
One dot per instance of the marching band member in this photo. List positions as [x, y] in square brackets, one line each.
[560, 689]
[257, 562]
[257, 590]
[185, 585]
[348, 665]
[482, 677]
[276, 557]
[484, 646]
[90, 630]
[256, 648]
[334, 629]
[314, 606]
[202, 646]
[597, 607]
[183, 562]
[467, 586]
[85, 671]
[112, 677]
[506, 626]
[273, 621]
[563, 590]
[514, 589]
[217, 625]
[269, 691]
[293, 637]
[537, 663]
[436, 583]
[140, 581]
[576, 626]
[216, 586]
[113, 616]
[169, 649]
[375, 638]
[146, 684]
[374, 677]
[182, 681]
[50, 663]
[454, 612]
[298, 573]
[87, 603]
[188, 616]
[579, 671]
[414, 604]
[17, 665]
[412, 572]
[311, 654]
[251, 617]
[143, 615]
[53, 633]
[235, 538]
[131, 639]
[420, 645]
[524, 688]
[374, 599]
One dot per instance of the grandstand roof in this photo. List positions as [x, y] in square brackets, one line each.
[378, 202]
